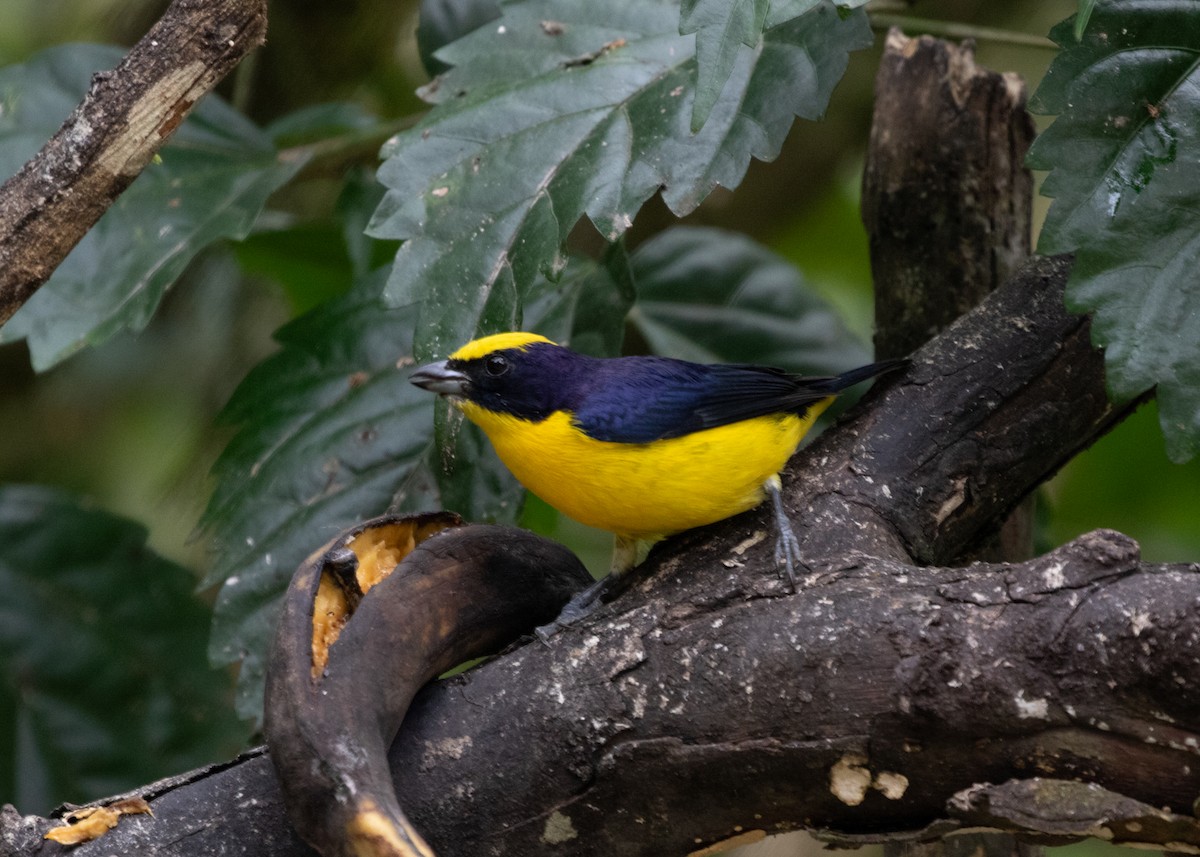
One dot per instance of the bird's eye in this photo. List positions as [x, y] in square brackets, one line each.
[496, 365]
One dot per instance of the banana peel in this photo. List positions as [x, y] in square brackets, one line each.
[86, 823]
[381, 610]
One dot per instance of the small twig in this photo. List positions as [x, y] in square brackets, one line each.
[243, 83]
[332, 155]
[958, 30]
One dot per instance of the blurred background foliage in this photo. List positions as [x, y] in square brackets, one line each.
[130, 425]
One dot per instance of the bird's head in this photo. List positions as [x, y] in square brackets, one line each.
[522, 374]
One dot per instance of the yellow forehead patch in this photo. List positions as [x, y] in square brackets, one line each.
[496, 342]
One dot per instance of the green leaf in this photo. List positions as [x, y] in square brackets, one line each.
[105, 684]
[1082, 17]
[722, 27]
[1124, 161]
[563, 109]
[444, 21]
[211, 182]
[717, 297]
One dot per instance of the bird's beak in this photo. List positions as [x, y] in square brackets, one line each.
[438, 378]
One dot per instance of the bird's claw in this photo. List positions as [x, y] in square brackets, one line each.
[579, 607]
[787, 553]
[787, 546]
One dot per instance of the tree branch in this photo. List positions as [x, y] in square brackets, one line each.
[114, 132]
[877, 699]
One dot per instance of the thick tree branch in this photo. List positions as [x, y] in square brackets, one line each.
[128, 114]
[876, 700]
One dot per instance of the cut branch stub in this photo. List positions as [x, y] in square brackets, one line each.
[381, 610]
[947, 200]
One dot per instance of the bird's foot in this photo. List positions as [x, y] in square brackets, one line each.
[787, 553]
[627, 552]
[787, 546]
[581, 606]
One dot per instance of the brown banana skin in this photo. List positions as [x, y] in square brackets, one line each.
[333, 708]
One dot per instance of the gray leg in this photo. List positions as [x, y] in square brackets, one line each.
[787, 546]
[585, 602]
[582, 605]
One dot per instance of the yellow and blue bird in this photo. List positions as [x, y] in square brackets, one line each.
[643, 447]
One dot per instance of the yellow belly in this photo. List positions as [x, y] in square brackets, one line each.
[644, 490]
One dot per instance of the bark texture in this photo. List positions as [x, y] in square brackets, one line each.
[1057, 697]
[947, 200]
[128, 114]
[947, 203]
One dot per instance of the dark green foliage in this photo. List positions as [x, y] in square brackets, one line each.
[1124, 156]
[105, 683]
[564, 109]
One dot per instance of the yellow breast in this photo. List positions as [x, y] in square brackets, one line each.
[644, 490]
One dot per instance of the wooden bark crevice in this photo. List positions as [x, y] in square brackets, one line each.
[126, 117]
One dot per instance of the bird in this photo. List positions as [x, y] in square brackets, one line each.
[641, 446]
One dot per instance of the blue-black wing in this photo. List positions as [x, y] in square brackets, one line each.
[642, 399]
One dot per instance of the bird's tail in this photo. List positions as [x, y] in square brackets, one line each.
[837, 383]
